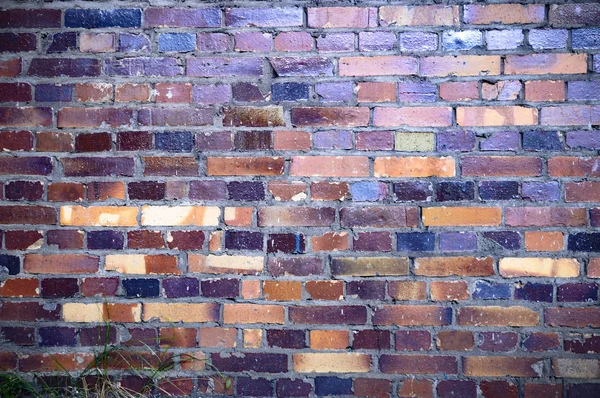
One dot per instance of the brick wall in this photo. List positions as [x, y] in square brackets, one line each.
[378, 200]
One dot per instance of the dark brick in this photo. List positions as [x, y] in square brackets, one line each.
[24, 190]
[16, 140]
[146, 190]
[292, 388]
[537, 342]
[174, 141]
[65, 239]
[59, 287]
[29, 312]
[252, 140]
[286, 338]
[499, 190]
[105, 240]
[416, 241]
[371, 340]
[584, 242]
[328, 315]
[258, 362]
[247, 92]
[31, 165]
[248, 387]
[61, 42]
[185, 240]
[542, 141]
[53, 92]
[11, 263]
[455, 190]
[141, 287]
[181, 287]
[509, 240]
[57, 67]
[92, 18]
[366, 290]
[93, 142]
[499, 388]
[144, 67]
[413, 340]
[498, 341]
[36, 18]
[22, 336]
[325, 386]
[21, 240]
[15, 92]
[413, 191]
[97, 336]
[95, 166]
[491, 291]
[457, 388]
[373, 241]
[134, 141]
[583, 390]
[296, 266]
[583, 345]
[286, 243]
[538, 292]
[99, 287]
[577, 292]
[290, 91]
[220, 288]
[208, 190]
[55, 336]
[246, 190]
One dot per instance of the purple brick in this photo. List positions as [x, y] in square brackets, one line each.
[583, 139]
[293, 66]
[221, 288]
[97, 336]
[131, 43]
[24, 190]
[295, 266]
[17, 42]
[224, 67]
[286, 243]
[336, 42]
[540, 191]
[292, 388]
[243, 240]
[208, 190]
[54, 336]
[248, 92]
[249, 387]
[412, 340]
[286, 338]
[57, 67]
[577, 292]
[509, 240]
[366, 289]
[140, 337]
[22, 336]
[538, 292]
[419, 191]
[59, 287]
[458, 241]
[449, 191]
[252, 41]
[146, 190]
[105, 240]
[498, 341]
[373, 241]
[374, 140]
[501, 141]
[264, 17]
[456, 388]
[250, 361]
[368, 191]
[371, 340]
[143, 67]
[31, 18]
[583, 345]
[332, 139]
[548, 39]
[499, 190]
[61, 42]
[214, 141]
[183, 17]
[376, 41]
[213, 42]
[211, 93]
[508, 39]
[181, 287]
[583, 90]
[596, 65]
[246, 190]
[334, 91]
[418, 41]
[417, 92]
[456, 140]
[595, 217]
[53, 92]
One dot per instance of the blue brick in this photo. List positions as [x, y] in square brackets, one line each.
[54, 336]
[417, 92]
[243, 240]
[92, 18]
[548, 39]
[11, 263]
[458, 241]
[461, 40]
[542, 141]
[491, 291]
[105, 240]
[586, 38]
[367, 191]
[534, 292]
[416, 241]
[541, 191]
[455, 190]
[246, 190]
[248, 387]
[141, 287]
[129, 42]
[332, 386]
[181, 42]
[53, 92]
[289, 91]
[175, 141]
[584, 242]
[499, 190]
[509, 240]
[584, 90]
[332, 139]
[456, 140]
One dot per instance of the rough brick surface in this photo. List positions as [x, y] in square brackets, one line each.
[380, 199]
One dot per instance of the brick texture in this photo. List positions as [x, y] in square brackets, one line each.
[323, 198]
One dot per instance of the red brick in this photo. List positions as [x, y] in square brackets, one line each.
[544, 90]
[376, 92]
[25, 117]
[10, 67]
[16, 141]
[94, 117]
[459, 91]
[566, 166]
[15, 92]
[173, 92]
[60, 264]
[413, 116]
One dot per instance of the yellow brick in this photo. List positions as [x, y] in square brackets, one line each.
[415, 142]
[101, 312]
[513, 267]
[181, 215]
[99, 216]
[334, 363]
[181, 312]
[213, 264]
[461, 216]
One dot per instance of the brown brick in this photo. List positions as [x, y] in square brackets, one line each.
[54, 142]
[497, 316]
[407, 290]
[376, 92]
[565, 166]
[329, 339]
[502, 367]
[184, 166]
[455, 340]
[330, 241]
[325, 290]
[66, 192]
[287, 190]
[325, 190]
[295, 216]
[369, 266]
[593, 268]
[93, 92]
[544, 241]
[35, 215]
[376, 388]
[106, 190]
[20, 287]
[544, 90]
[101, 312]
[412, 388]
[329, 166]
[328, 315]
[25, 117]
[329, 117]
[434, 15]
[271, 116]
[10, 67]
[54, 362]
[454, 266]
[60, 264]
[449, 290]
[244, 166]
[282, 290]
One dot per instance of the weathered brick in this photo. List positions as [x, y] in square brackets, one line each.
[418, 364]
[539, 64]
[331, 362]
[434, 15]
[326, 117]
[503, 14]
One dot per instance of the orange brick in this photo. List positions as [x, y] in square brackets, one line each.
[503, 14]
[407, 290]
[461, 216]
[181, 312]
[329, 166]
[180, 215]
[502, 367]
[291, 141]
[383, 65]
[253, 313]
[497, 316]
[462, 65]
[544, 241]
[284, 190]
[330, 241]
[545, 90]
[515, 267]
[132, 92]
[455, 340]
[250, 289]
[459, 91]
[454, 266]
[335, 362]
[243, 166]
[593, 268]
[449, 290]
[99, 216]
[410, 166]
[282, 290]
[173, 92]
[325, 290]
[238, 216]
[376, 92]
[423, 116]
[434, 15]
[253, 338]
[178, 337]
[329, 339]
[541, 64]
[60, 264]
[214, 241]
[20, 287]
[218, 337]
[496, 116]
